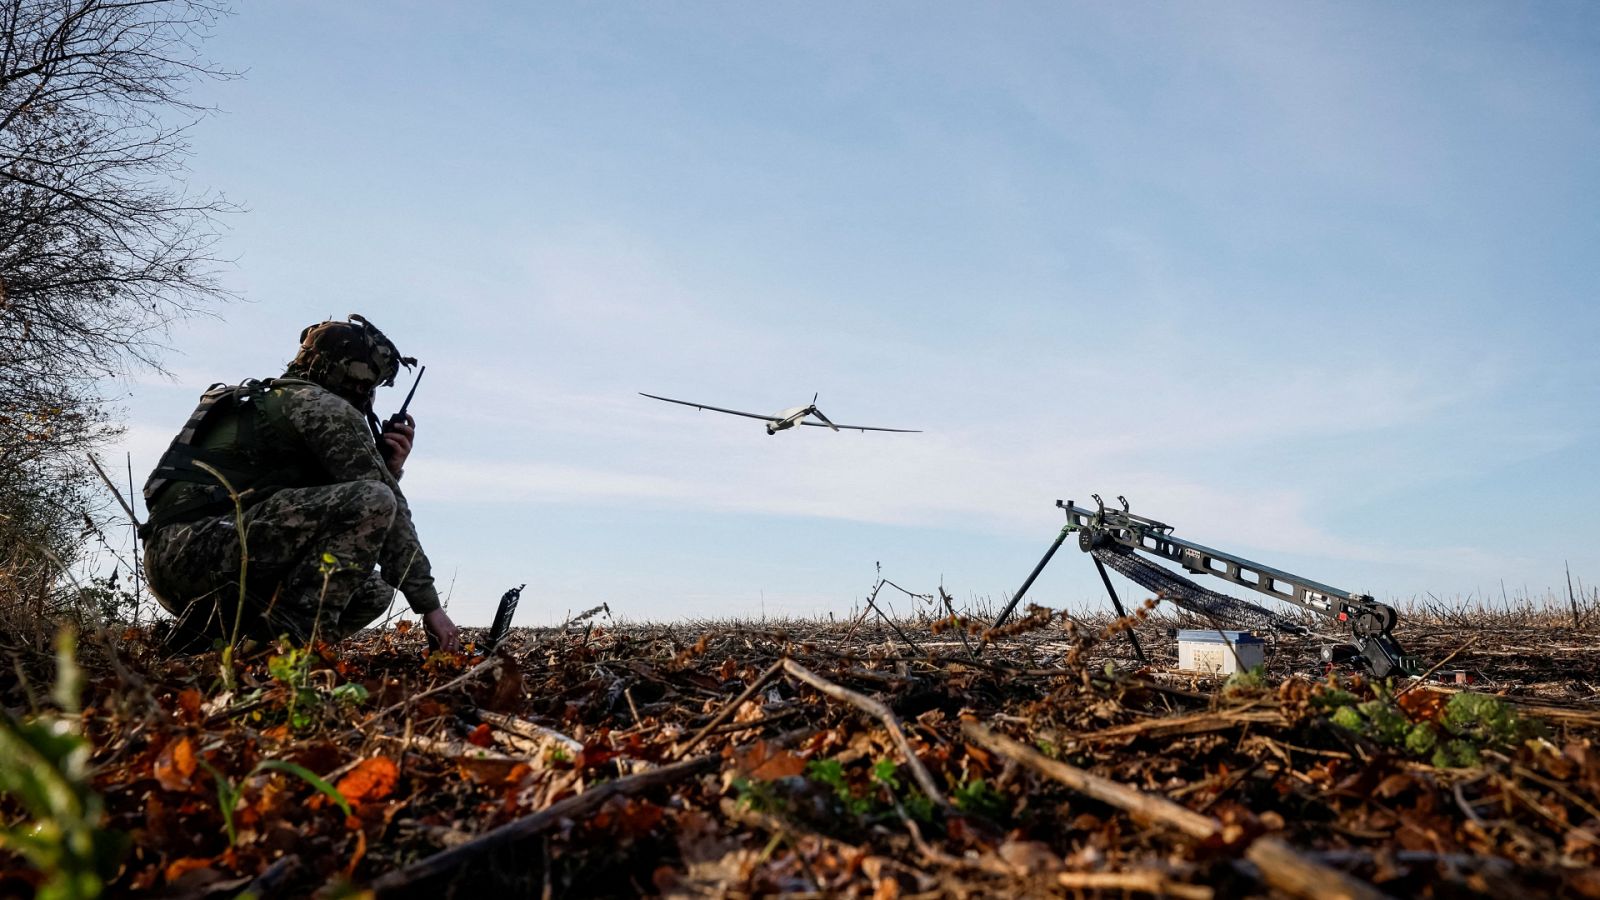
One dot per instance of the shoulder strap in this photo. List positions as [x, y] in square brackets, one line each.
[208, 405]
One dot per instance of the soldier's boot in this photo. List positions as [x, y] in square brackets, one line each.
[195, 631]
[204, 625]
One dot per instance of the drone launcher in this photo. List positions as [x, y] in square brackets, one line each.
[1115, 539]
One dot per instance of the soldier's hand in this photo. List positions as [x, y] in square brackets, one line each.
[445, 633]
[399, 438]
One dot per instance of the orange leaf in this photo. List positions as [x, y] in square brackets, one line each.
[175, 766]
[638, 818]
[783, 765]
[1393, 785]
[765, 762]
[180, 867]
[1423, 705]
[371, 779]
[189, 701]
[481, 737]
[403, 626]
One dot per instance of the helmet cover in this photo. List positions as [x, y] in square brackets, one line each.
[351, 357]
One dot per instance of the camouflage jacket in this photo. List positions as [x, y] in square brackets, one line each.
[336, 436]
[333, 444]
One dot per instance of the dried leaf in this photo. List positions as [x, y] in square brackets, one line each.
[782, 765]
[505, 692]
[1423, 705]
[763, 762]
[372, 779]
[189, 701]
[1394, 784]
[180, 867]
[175, 767]
[481, 736]
[487, 771]
[1029, 857]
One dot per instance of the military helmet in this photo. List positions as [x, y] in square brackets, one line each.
[349, 357]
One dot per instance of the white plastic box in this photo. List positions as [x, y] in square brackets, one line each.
[1219, 652]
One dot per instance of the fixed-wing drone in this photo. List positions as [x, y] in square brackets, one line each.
[789, 418]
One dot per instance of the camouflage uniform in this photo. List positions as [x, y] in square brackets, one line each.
[326, 544]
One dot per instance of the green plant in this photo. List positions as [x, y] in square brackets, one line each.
[830, 773]
[350, 693]
[226, 665]
[1421, 739]
[886, 774]
[1333, 698]
[757, 795]
[328, 564]
[1472, 723]
[304, 701]
[1483, 718]
[1246, 681]
[228, 791]
[1455, 753]
[1348, 718]
[44, 765]
[1469, 724]
[292, 669]
[1379, 719]
[1385, 722]
[976, 796]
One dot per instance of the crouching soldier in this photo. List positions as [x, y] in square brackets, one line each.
[328, 535]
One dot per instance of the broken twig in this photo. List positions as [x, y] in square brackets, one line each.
[878, 711]
[418, 879]
[1281, 865]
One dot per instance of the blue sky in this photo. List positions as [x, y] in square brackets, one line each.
[1315, 283]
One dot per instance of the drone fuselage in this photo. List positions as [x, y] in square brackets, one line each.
[787, 419]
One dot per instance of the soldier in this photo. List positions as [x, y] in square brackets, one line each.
[328, 533]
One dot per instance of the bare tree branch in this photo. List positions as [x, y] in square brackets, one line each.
[102, 245]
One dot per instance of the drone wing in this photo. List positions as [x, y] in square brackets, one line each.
[732, 412]
[861, 428]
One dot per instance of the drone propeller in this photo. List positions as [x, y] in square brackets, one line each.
[818, 413]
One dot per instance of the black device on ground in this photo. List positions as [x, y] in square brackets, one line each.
[1110, 537]
[502, 616]
[399, 418]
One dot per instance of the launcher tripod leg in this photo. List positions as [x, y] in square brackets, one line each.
[1017, 597]
[1106, 580]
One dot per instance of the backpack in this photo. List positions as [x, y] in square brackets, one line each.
[236, 431]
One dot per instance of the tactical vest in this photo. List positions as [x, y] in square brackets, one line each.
[240, 431]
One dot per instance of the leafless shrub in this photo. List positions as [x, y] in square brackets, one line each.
[102, 245]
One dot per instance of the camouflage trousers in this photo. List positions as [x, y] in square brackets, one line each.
[311, 557]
